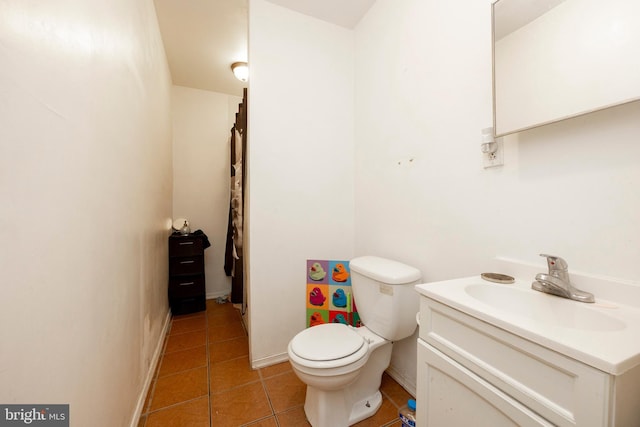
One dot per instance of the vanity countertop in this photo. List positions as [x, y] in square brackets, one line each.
[605, 334]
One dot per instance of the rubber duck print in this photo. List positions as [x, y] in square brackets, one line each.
[340, 319]
[316, 272]
[339, 298]
[316, 319]
[316, 297]
[340, 273]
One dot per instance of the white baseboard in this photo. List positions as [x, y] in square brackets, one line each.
[406, 383]
[215, 295]
[268, 361]
[152, 369]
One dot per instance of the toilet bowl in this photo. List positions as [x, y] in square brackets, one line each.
[342, 365]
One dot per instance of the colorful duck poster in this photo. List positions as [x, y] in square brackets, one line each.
[339, 273]
[316, 297]
[317, 272]
[316, 319]
[329, 295]
[339, 298]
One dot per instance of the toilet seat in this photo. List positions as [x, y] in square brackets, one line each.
[328, 345]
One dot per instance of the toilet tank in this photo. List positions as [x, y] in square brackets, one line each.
[385, 297]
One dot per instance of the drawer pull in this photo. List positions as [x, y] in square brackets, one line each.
[187, 262]
[185, 243]
[186, 284]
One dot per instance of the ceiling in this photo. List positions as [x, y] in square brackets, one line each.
[346, 13]
[512, 15]
[202, 38]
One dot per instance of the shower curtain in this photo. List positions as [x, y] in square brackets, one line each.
[234, 256]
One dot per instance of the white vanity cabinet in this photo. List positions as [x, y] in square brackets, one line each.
[471, 373]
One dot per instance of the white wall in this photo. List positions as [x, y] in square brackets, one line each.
[201, 154]
[85, 184]
[423, 92]
[301, 165]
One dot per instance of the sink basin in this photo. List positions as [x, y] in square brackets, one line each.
[604, 334]
[542, 307]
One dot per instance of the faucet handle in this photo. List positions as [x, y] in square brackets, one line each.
[555, 262]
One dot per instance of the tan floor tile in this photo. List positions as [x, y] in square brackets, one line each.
[180, 387]
[293, 418]
[214, 307]
[277, 369]
[223, 318]
[285, 391]
[230, 349]
[194, 413]
[267, 422]
[189, 324]
[239, 406]
[238, 393]
[394, 391]
[188, 315]
[187, 340]
[225, 332]
[386, 414]
[184, 360]
[231, 373]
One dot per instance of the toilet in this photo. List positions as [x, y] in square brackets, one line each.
[342, 365]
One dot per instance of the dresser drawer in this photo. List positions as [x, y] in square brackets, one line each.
[186, 286]
[187, 290]
[187, 305]
[185, 246]
[186, 265]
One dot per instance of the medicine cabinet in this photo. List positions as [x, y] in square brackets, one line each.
[556, 59]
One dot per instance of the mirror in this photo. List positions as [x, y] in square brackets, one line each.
[556, 59]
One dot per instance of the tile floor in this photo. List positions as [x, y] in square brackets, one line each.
[204, 380]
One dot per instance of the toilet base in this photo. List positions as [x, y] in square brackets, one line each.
[365, 408]
[328, 409]
[347, 406]
[338, 401]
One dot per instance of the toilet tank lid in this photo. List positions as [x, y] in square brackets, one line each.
[384, 270]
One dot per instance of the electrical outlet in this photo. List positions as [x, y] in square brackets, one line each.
[491, 160]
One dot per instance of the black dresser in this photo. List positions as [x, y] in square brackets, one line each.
[186, 274]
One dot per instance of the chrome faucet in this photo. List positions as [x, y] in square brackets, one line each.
[557, 282]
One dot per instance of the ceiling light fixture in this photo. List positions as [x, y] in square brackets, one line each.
[240, 70]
